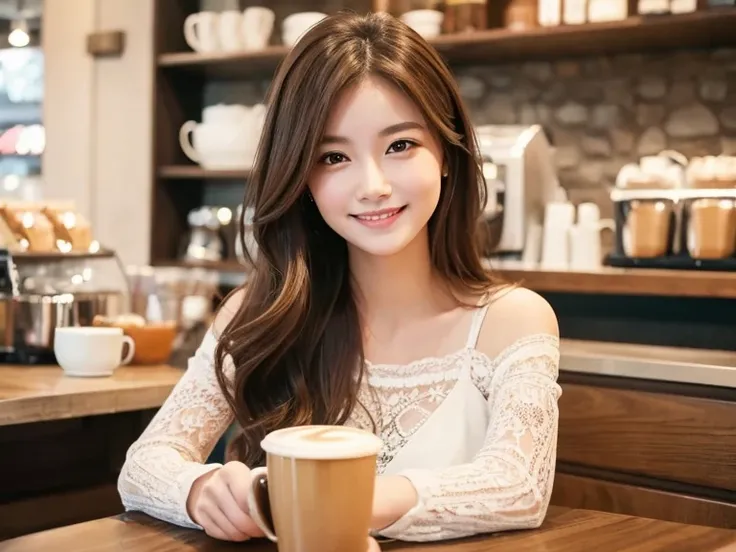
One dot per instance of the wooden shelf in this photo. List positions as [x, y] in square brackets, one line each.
[606, 281]
[50, 257]
[627, 281]
[228, 65]
[635, 34]
[197, 172]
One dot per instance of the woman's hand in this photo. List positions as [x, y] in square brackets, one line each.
[218, 501]
[393, 497]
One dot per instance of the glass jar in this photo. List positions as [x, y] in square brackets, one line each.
[465, 16]
[400, 7]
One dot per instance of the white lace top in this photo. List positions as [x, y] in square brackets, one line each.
[475, 435]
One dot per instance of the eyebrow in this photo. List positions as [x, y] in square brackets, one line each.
[388, 131]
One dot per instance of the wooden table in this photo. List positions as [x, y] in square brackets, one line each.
[63, 440]
[564, 530]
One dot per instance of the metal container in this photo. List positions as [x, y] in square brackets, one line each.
[8, 292]
[36, 317]
[711, 228]
[6, 323]
[647, 227]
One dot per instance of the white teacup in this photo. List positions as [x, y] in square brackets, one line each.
[257, 27]
[296, 24]
[91, 351]
[230, 25]
[201, 31]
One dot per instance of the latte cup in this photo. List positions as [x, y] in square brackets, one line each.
[91, 351]
[316, 492]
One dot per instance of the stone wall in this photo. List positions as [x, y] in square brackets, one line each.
[603, 112]
[600, 112]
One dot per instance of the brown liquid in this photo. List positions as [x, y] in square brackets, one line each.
[321, 505]
[712, 229]
[646, 230]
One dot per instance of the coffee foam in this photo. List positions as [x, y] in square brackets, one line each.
[321, 442]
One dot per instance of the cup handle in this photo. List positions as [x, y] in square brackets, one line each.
[131, 349]
[607, 224]
[190, 33]
[259, 506]
[186, 145]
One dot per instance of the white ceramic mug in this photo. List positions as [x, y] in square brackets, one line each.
[558, 218]
[257, 27]
[229, 28]
[201, 31]
[296, 24]
[585, 244]
[91, 351]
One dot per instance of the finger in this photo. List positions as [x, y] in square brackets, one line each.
[238, 478]
[239, 519]
[211, 528]
[225, 526]
[373, 545]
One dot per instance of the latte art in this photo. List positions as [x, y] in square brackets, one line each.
[322, 442]
[325, 434]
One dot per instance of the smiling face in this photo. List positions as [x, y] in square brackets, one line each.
[378, 174]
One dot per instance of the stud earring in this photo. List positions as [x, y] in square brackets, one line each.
[445, 173]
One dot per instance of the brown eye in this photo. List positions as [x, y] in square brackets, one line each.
[333, 158]
[400, 146]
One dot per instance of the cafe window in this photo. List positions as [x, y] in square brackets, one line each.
[22, 135]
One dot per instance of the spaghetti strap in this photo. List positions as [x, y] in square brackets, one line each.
[478, 316]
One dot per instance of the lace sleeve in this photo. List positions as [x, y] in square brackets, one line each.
[162, 464]
[509, 482]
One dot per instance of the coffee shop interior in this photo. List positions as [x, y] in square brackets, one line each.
[607, 130]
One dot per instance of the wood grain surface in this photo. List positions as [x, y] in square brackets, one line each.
[625, 281]
[564, 530]
[634, 34]
[41, 393]
[576, 491]
[683, 439]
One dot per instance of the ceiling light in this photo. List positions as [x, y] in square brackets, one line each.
[19, 36]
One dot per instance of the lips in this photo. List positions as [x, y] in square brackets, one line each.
[382, 214]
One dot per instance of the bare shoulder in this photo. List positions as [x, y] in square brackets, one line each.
[227, 310]
[515, 314]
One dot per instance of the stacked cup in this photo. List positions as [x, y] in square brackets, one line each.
[229, 31]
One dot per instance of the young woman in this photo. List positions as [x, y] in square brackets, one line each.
[367, 305]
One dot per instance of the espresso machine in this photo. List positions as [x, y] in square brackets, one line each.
[40, 292]
[520, 175]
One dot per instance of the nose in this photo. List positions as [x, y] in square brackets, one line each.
[374, 185]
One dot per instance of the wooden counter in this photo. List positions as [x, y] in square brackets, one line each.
[648, 362]
[564, 530]
[41, 393]
[622, 281]
[647, 431]
[44, 393]
[64, 440]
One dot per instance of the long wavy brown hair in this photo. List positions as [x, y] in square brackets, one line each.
[296, 339]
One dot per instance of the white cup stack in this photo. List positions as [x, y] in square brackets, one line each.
[209, 32]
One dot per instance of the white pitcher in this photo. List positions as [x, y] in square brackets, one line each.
[226, 139]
